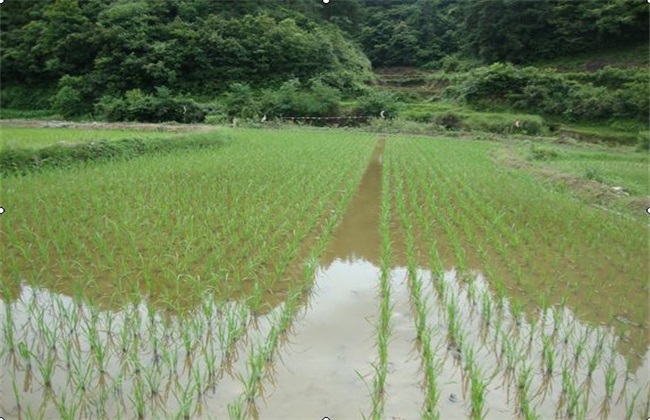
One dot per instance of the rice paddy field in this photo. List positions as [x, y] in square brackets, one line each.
[296, 273]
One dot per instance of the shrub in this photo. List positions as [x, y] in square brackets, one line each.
[542, 153]
[215, 112]
[240, 101]
[594, 174]
[26, 98]
[589, 102]
[136, 105]
[611, 77]
[374, 101]
[504, 123]
[74, 97]
[457, 63]
[611, 93]
[399, 125]
[295, 99]
[448, 120]
[643, 141]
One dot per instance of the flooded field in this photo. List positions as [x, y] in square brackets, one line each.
[312, 274]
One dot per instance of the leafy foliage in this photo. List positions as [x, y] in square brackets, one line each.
[552, 93]
[136, 105]
[96, 49]
[296, 99]
[374, 102]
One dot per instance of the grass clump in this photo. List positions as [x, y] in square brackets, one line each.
[542, 153]
[23, 161]
[643, 141]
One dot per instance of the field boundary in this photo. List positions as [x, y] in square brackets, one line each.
[108, 125]
[63, 154]
[594, 193]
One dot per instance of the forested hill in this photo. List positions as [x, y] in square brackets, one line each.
[81, 54]
[422, 32]
[200, 46]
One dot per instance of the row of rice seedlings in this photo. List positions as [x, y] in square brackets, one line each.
[524, 407]
[485, 216]
[477, 208]
[457, 344]
[550, 326]
[261, 356]
[466, 219]
[378, 394]
[185, 341]
[576, 361]
[431, 366]
[477, 384]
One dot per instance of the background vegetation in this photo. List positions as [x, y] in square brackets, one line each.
[211, 60]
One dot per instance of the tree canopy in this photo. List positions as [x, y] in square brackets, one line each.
[82, 50]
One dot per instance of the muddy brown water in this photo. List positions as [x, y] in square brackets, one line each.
[326, 370]
[324, 367]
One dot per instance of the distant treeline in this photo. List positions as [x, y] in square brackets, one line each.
[423, 32]
[156, 59]
[88, 49]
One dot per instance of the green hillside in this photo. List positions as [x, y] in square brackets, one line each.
[570, 63]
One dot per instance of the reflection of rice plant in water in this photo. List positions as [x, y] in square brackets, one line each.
[431, 365]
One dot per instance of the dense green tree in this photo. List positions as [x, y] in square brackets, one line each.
[90, 48]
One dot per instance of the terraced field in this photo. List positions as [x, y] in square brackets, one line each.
[314, 273]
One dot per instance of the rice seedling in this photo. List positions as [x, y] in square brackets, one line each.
[630, 405]
[236, 409]
[548, 354]
[592, 362]
[580, 346]
[255, 369]
[8, 329]
[67, 407]
[486, 306]
[16, 393]
[185, 401]
[573, 405]
[46, 368]
[478, 389]
[25, 354]
[523, 393]
[453, 323]
[516, 310]
[610, 379]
